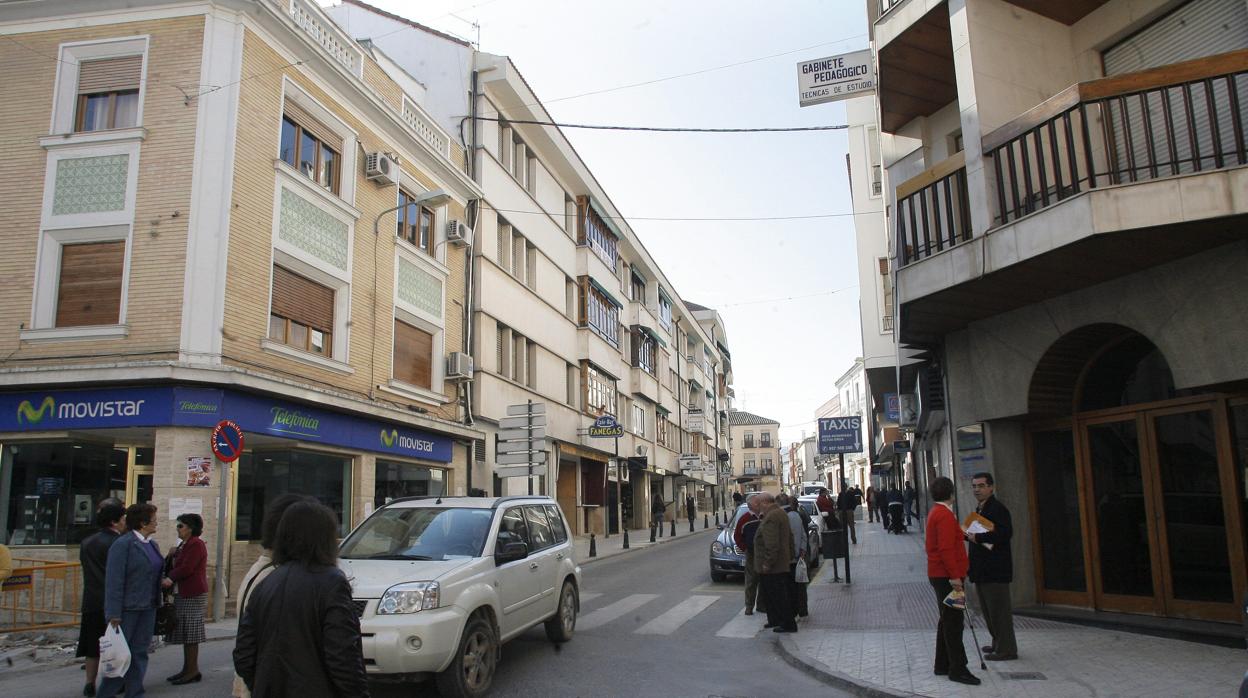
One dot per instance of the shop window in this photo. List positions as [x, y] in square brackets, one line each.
[302, 313]
[413, 355]
[89, 287]
[53, 489]
[310, 147]
[263, 475]
[415, 223]
[108, 93]
[396, 480]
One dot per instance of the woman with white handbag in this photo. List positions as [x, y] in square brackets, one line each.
[131, 597]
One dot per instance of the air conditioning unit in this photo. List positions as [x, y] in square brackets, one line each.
[380, 167]
[459, 233]
[458, 366]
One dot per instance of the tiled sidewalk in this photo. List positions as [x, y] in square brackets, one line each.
[878, 634]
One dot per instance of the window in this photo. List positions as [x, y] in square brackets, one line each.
[764, 440]
[108, 93]
[263, 475]
[89, 287]
[569, 214]
[513, 527]
[504, 144]
[673, 381]
[395, 480]
[503, 361]
[504, 244]
[749, 466]
[524, 360]
[570, 386]
[643, 348]
[598, 236]
[639, 419]
[310, 147]
[665, 312]
[413, 355]
[873, 155]
[749, 439]
[569, 293]
[637, 289]
[53, 489]
[302, 313]
[555, 520]
[601, 313]
[886, 295]
[415, 222]
[708, 364]
[540, 535]
[663, 430]
[600, 395]
[768, 467]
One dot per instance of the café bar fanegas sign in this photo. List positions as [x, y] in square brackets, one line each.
[204, 407]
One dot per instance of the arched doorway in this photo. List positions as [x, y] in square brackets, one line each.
[1137, 498]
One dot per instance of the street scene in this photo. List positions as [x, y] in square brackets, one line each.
[542, 347]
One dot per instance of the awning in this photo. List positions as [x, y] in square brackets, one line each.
[663, 411]
[602, 289]
[723, 349]
[653, 335]
[566, 448]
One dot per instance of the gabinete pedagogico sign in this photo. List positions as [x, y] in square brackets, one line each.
[835, 78]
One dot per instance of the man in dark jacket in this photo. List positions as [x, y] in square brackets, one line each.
[93, 555]
[907, 498]
[773, 551]
[992, 569]
[846, 503]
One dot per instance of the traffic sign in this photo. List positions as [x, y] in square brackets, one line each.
[520, 471]
[525, 446]
[522, 434]
[538, 420]
[530, 408]
[522, 458]
[227, 441]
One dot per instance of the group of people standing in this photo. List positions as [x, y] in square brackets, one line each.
[125, 580]
[895, 508]
[773, 535]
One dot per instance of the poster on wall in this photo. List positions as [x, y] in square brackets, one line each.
[185, 505]
[83, 513]
[198, 471]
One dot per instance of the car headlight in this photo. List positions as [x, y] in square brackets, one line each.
[719, 548]
[409, 597]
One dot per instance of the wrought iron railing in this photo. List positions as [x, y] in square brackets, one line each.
[1180, 119]
[932, 211]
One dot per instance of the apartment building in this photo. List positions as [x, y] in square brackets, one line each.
[568, 309]
[1069, 234]
[221, 211]
[755, 452]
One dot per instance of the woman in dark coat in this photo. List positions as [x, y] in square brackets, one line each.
[93, 556]
[132, 594]
[299, 635]
[188, 573]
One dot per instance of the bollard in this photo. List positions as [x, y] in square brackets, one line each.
[652, 527]
[626, 539]
[673, 534]
[706, 521]
[593, 545]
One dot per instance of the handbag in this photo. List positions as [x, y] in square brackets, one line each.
[166, 617]
[114, 653]
[800, 574]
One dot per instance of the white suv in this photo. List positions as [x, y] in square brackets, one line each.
[441, 583]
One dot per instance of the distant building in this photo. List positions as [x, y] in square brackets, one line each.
[755, 452]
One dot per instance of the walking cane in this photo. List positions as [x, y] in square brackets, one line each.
[971, 623]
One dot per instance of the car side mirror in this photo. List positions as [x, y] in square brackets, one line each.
[721, 526]
[505, 552]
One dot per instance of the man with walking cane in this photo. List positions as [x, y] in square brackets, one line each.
[992, 568]
[946, 566]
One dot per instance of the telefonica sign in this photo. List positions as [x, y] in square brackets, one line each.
[835, 78]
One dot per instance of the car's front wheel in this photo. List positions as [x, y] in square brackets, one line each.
[472, 671]
[719, 576]
[559, 627]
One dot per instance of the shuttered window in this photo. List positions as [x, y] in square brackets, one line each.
[413, 355]
[89, 292]
[108, 93]
[302, 313]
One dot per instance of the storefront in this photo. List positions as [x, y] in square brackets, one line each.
[64, 451]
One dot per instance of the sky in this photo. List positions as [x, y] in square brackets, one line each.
[786, 289]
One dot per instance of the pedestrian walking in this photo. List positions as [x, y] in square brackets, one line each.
[188, 577]
[908, 497]
[946, 566]
[300, 635]
[691, 509]
[93, 557]
[132, 595]
[743, 537]
[263, 565]
[773, 552]
[657, 507]
[826, 508]
[881, 506]
[871, 504]
[846, 503]
[992, 569]
[801, 551]
[896, 511]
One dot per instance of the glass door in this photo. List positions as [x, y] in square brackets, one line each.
[138, 474]
[1123, 536]
[1191, 512]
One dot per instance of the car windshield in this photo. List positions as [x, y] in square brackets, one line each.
[811, 489]
[808, 507]
[419, 533]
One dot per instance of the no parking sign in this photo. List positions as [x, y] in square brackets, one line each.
[227, 441]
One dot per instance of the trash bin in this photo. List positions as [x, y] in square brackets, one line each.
[833, 543]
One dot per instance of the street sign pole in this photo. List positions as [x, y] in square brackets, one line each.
[530, 416]
[218, 592]
[845, 526]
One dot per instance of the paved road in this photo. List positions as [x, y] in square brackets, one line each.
[652, 624]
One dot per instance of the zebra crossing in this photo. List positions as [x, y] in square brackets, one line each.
[666, 614]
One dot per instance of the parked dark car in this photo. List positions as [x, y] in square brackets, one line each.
[726, 558]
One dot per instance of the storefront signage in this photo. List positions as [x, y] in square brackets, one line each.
[840, 435]
[227, 442]
[694, 422]
[606, 427]
[892, 408]
[205, 407]
[835, 77]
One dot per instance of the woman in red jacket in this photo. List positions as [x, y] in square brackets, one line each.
[946, 566]
[188, 570]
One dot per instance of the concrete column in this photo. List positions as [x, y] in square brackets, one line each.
[174, 445]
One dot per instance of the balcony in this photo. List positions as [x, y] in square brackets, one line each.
[751, 471]
[1105, 179]
[915, 58]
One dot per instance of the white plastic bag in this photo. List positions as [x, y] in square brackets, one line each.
[800, 575]
[114, 653]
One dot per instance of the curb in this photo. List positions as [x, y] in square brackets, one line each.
[788, 651]
[71, 661]
[647, 546]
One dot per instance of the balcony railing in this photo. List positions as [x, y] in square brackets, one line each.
[751, 470]
[1179, 119]
[932, 211]
[887, 5]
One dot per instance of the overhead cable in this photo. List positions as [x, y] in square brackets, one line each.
[667, 129]
[812, 216]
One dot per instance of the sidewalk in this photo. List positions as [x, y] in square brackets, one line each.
[876, 637]
[637, 539]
